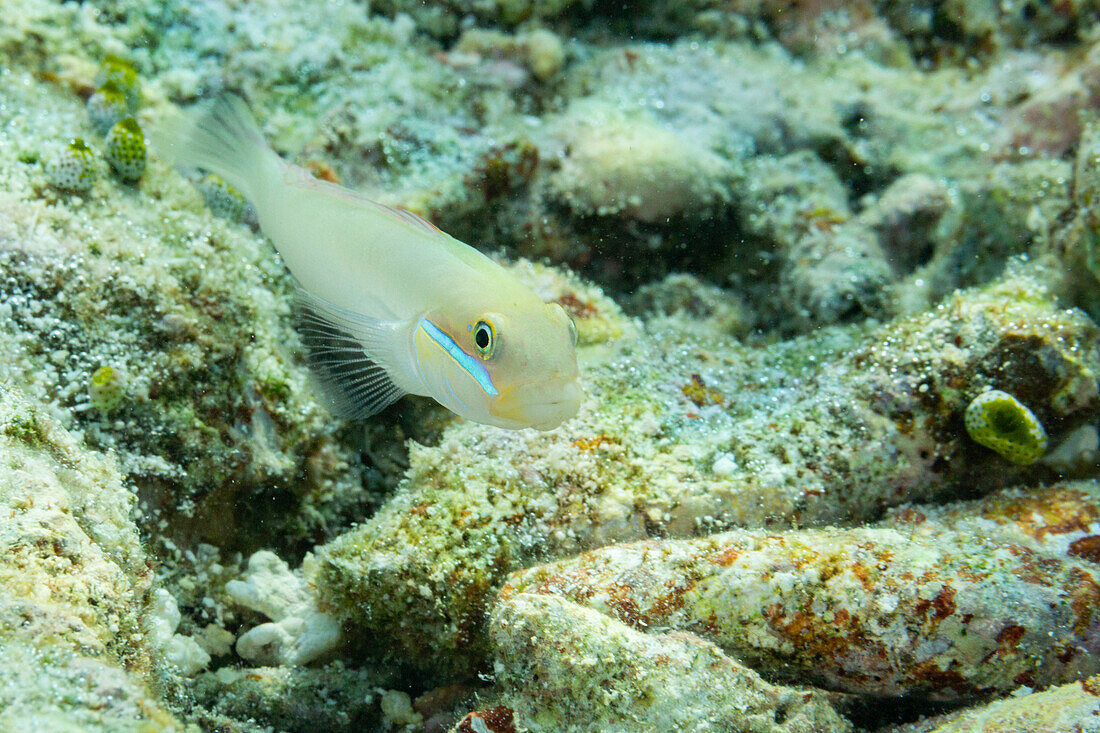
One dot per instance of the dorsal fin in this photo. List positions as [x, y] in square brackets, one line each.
[415, 219]
[296, 175]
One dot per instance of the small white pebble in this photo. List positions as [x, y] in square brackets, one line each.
[724, 465]
[397, 708]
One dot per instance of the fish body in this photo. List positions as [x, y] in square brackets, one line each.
[389, 303]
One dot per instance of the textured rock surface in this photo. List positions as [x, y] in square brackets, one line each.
[217, 424]
[682, 437]
[254, 699]
[635, 168]
[939, 613]
[1073, 707]
[557, 661]
[73, 583]
[835, 170]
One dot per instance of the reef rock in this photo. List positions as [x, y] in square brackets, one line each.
[925, 610]
[635, 168]
[683, 435]
[192, 310]
[73, 583]
[1071, 707]
[560, 666]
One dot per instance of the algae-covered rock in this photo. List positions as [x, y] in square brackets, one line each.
[53, 486]
[73, 583]
[1058, 521]
[63, 690]
[894, 33]
[683, 434]
[635, 168]
[1010, 210]
[294, 699]
[817, 168]
[564, 667]
[828, 267]
[194, 314]
[1082, 246]
[539, 51]
[1071, 707]
[939, 613]
[694, 304]
[446, 18]
[834, 274]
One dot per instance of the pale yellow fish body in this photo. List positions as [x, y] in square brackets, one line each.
[393, 305]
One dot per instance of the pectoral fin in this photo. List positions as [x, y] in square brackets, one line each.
[348, 354]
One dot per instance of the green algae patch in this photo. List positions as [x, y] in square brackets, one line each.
[25, 428]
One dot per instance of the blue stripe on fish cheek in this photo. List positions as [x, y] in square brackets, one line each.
[470, 364]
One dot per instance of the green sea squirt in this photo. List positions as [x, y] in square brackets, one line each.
[107, 106]
[107, 388]
[72, 169]
[122, 76]
[391, 305]
[125, 149]
[1002, 423]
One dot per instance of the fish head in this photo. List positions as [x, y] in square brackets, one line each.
[512, 364]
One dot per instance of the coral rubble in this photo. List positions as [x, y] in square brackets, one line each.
[888, 610]
[833, 268]
[684, 439]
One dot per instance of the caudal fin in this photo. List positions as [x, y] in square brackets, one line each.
[221, 137]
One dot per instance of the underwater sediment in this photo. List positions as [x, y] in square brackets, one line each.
[833, 269]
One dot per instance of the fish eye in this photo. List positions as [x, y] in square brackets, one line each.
[484, 338]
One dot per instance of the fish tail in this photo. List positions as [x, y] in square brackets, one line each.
[222, 138]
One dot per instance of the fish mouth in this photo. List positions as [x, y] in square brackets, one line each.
[543, 406]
